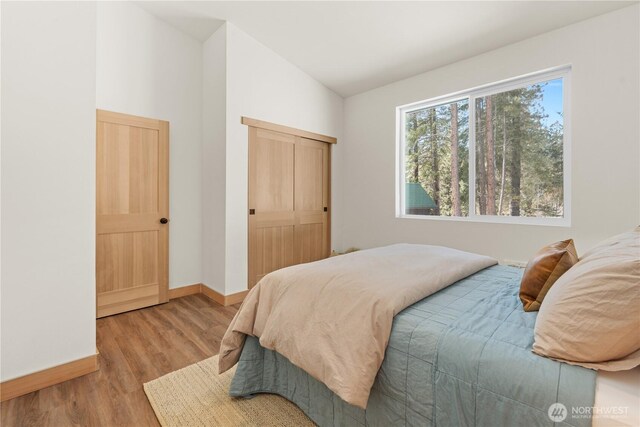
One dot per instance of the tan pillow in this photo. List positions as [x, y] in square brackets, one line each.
[542, 271]
[591, 316]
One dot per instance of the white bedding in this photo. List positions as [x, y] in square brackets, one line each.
[617, 391]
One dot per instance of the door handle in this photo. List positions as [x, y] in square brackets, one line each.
[163, 220]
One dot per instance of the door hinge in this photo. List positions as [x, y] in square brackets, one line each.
[252, 211]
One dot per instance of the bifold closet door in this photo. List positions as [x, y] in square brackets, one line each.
[288, 201]
[132, 210]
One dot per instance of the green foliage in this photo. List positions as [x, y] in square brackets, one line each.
[533, 155]
[528, 155]
[421, 144]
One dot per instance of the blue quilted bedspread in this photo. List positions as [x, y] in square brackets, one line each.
[460, 357]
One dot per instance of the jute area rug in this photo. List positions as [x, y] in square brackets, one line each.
[198, 396]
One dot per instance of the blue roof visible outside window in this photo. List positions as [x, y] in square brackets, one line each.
[417, 198]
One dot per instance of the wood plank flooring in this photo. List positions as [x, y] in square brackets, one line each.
[134, 347]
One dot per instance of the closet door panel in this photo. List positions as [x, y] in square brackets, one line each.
[311, 199]
[289, 193]
[309, 176]
[275, 249]
[271, 202]
[273, 180]
[309, 238]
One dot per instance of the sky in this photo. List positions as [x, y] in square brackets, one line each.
[552, 101]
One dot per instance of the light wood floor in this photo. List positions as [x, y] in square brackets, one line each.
[134, 347]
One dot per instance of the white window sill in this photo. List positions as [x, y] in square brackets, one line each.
[494, 219]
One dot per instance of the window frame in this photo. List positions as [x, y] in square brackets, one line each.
[564, 73]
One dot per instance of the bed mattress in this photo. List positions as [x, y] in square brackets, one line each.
[460, 357]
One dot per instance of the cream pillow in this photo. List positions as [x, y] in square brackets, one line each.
[591, 315]
[617, 240]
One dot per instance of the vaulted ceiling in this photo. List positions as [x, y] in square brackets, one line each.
[355, 46]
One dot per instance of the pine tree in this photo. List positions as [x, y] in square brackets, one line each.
[434, 159]
[455, 179]
[491, 159]
[481, 173]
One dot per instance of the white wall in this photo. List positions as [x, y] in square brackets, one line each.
[214, 90]
[604, 54]
[48, 185]
[148, 68]
[263, 85]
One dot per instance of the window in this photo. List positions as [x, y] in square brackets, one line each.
[497, 153]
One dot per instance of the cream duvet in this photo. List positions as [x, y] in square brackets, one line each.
[332, 318]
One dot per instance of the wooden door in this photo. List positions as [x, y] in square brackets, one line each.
[288, 201]
[311, 200]
[132, 211]
[271, 202]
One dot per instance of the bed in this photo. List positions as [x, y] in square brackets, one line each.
[459, 356]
